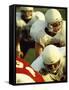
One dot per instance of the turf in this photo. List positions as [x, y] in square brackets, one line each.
[30, 56]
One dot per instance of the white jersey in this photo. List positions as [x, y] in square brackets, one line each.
[38, 65]
[38, 34]
[41, 37]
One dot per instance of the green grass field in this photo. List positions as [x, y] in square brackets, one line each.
[30, 56]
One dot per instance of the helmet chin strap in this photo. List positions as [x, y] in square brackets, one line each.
[51, 30]
[55, 71]
[55, 76]
[50, 27]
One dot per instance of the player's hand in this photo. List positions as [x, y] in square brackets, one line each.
[20, 54]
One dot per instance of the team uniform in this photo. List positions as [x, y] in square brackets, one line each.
[44, 38]
[26, 41]
[25, 73]
[52, 30]
[39, 66]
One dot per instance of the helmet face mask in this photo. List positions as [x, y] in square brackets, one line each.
[52, 68]
[27, 14]
[55, 27]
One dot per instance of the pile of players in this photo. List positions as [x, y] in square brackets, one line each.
[47, 34]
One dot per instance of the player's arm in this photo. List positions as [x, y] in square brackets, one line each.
[38, 49]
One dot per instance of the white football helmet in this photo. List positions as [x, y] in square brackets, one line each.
[53, 15]
[26, 8]
[51, 58]
[54, 20]
[26, 12]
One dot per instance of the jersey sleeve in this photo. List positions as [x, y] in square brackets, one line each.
[37, 64]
